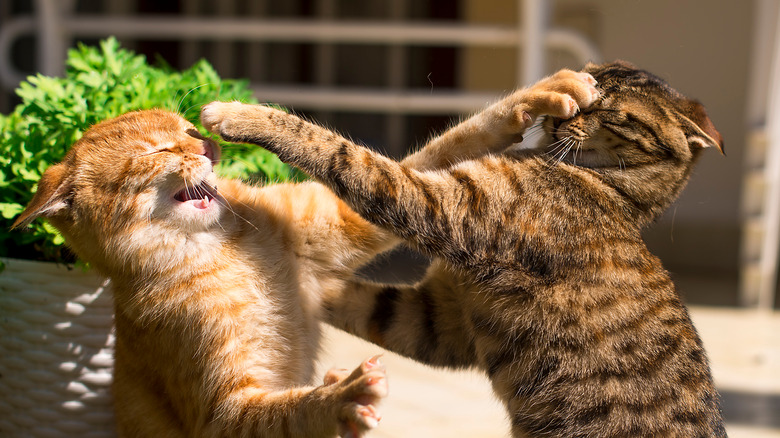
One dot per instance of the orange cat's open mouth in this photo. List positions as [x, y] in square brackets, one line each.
[200, 196]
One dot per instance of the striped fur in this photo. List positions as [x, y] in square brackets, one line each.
[217, 298]
[540, 277]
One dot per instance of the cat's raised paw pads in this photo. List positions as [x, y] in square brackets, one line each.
[376, 384]
[587, 77]
[572, 106]
[361, 419]
[371, 416]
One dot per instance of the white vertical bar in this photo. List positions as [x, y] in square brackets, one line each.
[533, 19]
[256, 56]
[769, 249]
[326, 52]
[395, 128]
[52, 38]
[190, 50]
[224, 51]
[764, 23]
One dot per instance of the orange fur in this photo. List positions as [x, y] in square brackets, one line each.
[216, 301]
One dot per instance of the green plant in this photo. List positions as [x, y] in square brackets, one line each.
[100, 83]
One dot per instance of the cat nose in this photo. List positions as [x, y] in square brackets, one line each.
[210, 150]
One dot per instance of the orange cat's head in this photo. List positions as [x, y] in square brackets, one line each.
[130, 184]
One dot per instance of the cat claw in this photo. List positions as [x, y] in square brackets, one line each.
[361, 391]
[371, 415]
[369, 418]
[595, 94]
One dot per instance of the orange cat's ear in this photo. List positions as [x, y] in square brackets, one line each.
[50, 198]
[701, 131]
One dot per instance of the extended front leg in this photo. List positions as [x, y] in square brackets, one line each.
[379, 189]
[345, 405]
[503, 123]
[414, 205]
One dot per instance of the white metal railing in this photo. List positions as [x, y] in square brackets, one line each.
[55, 26]
[761, 182]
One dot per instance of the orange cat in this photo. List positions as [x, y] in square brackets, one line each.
[216, 291]
[218, 285]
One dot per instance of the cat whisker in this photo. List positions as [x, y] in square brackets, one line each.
[536, 127]
[577, 150]
[181, 101]
[556, 145]
[559, 145]
[553, 153]
[235, 214]
[560, 149]
[569, 145]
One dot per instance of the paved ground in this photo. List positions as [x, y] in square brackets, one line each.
[743, 345]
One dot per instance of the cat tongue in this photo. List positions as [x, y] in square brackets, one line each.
[200, 196]
[202, 203]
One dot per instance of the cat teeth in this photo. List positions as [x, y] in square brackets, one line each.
[203, 203]
[202, 193]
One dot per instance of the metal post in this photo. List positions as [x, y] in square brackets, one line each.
[533, 16]
[395, 123]
[771, 243]
[53, 38]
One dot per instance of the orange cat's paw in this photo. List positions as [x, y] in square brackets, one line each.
[361, 391]
[563, 94]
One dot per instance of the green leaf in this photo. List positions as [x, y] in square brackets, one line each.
[100, 83]
[9, 210]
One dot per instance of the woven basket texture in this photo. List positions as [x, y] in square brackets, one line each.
[56, 352]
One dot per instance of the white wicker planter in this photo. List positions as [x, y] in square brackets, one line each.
[56, 346]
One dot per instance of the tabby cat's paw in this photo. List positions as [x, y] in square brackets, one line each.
[361, 392]
[213, 115]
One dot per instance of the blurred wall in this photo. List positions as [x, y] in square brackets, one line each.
[703, 50]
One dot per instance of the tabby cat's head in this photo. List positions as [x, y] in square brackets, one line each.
[142, 173]
[639, 120]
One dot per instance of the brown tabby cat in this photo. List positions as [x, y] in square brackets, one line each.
[541, 277]
[217, 293]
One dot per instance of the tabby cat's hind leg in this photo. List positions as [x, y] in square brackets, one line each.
[424, 322]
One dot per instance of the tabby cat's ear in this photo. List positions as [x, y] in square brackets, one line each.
[700, 130]
[50, 198]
